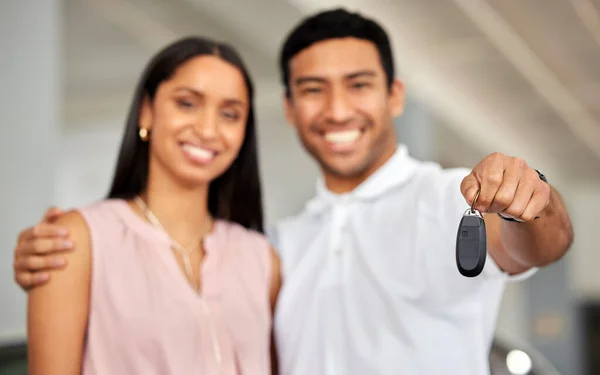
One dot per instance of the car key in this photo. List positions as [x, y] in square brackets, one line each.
[471, 242]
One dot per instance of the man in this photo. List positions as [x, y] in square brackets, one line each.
[370, 278]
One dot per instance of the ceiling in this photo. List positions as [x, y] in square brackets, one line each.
[521, 77]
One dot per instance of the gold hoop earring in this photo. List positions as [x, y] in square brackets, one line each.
[143, 134]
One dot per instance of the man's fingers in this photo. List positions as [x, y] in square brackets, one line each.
[43, 246]
[52, 213]
[536, 204]
[28, 280]
[490, 183]
[489, 173]
[43, 230]
[38, 263]
[520, 201]
[469, 188]
[49, 230]
[506, 192]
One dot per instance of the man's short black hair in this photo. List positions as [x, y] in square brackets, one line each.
[332, 24]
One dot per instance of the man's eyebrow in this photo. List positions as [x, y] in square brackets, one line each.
[309, 79]
[360, 73]
[318, 79]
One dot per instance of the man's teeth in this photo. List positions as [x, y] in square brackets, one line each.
[198, 152]
[346, 136]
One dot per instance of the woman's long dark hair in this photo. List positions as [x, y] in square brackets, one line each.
[235, 195]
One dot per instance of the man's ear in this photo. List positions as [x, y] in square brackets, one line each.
[290, 111]
[397, 98]
[146, 114]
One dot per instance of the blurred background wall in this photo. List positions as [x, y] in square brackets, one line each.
[519, 77]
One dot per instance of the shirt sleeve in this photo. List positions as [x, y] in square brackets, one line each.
[456, 207]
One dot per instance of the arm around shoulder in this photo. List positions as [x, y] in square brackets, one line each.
[58, 311]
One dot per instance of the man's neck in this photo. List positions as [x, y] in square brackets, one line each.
[342, 184]
[182, 211]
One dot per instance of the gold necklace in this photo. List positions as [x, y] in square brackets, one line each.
[183, 252]
[188, 268]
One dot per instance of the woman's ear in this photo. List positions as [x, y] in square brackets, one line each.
[146, 115]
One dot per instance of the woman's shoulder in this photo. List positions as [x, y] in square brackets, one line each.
[236, 231]
[89, 222]
[73, 221]
[102, 207]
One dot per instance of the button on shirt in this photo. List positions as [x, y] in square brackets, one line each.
[371, 284]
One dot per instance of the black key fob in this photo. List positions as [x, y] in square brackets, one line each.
[471, 246]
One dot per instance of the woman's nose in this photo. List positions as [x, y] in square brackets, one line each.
[207, 126]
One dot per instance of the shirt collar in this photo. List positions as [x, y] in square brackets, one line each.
[397, 170]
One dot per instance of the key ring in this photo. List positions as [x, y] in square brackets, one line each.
[475, 201]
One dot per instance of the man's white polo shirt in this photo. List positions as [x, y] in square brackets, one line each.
[370, 284]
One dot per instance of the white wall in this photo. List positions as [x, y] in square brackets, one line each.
[29, 101]
[289, 174]
[87, 159]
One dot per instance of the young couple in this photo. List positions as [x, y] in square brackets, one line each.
[171, 274]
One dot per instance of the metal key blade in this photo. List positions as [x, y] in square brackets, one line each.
[471, 244]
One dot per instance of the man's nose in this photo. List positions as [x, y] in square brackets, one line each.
[339, 107]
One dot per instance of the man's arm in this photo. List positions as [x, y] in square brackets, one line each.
[58, 311]
[516, 247]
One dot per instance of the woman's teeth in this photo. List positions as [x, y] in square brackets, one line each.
[198, 152]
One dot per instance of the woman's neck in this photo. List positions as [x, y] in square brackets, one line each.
[183, 212]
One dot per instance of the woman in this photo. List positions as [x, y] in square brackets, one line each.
[171, 274]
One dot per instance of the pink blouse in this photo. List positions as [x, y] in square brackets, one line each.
[146, 319]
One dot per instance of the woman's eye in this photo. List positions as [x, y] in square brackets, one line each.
[231, 115]
[184, 103]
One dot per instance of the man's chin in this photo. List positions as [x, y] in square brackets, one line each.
[346, 171]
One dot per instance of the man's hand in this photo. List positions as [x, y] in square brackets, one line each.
[38, 251]
[508, 186]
